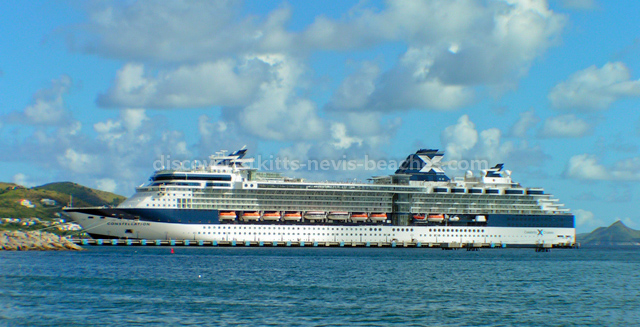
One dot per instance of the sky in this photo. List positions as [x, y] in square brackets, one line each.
[99, 92]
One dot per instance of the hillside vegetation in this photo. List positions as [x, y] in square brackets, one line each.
[12, 194]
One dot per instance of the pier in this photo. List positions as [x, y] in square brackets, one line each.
[233, 243]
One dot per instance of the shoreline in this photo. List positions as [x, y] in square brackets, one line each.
[35, 241]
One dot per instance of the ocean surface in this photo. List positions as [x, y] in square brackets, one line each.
[320, 287]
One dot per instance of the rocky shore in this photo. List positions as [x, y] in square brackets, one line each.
[34, 241]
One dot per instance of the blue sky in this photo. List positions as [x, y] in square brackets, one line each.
[95, 92]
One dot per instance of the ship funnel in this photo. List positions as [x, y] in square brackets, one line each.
[424, 165]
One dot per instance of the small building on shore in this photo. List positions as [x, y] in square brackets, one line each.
[48, 202]
[26, 203]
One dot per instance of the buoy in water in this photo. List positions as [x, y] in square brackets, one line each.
[172, 251]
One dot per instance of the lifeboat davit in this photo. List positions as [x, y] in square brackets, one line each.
[250, 216]
[271, 216]
[292, 216]
[381, 216]
[359, 217]
[435, 217]
[338, 215]
[419, 217]
[227, 215]
[314, 215]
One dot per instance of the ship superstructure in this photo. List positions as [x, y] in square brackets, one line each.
[228, 200]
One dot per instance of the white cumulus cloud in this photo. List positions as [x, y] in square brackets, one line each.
[627, 169]
[527, 120]
[22, 179]
[565, 126]
[47, 106]
[459, 138]
[462, 141]
[224, 82]
[355, 90]
[78, 162]
[178, 31]
[107, 185]
[342, 140]
[277, 112]
[587, 167]
[595, 88]
[452, 48]
[358, 136]
[216, 134]
[586, 219]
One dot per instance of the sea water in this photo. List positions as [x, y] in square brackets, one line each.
[320, 287]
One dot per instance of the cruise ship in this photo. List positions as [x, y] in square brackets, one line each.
[228, 200]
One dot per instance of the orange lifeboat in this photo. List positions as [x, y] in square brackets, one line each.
[250, 215]
[436, 218]
[292, 215]
[359, 217]
[227, 215]
[378, 216]
[271, 215]
[419, 217]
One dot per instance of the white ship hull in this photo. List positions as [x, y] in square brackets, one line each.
[511, 236]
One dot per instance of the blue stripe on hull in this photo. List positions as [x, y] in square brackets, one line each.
[179, 216]
[175, 216]
[202, 216]
[507, 220]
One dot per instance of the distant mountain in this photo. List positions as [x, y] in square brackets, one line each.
[12, 195]
[615, 235]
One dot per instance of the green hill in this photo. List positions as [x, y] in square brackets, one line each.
[12, 194]
[615, 235]
[84, 196]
